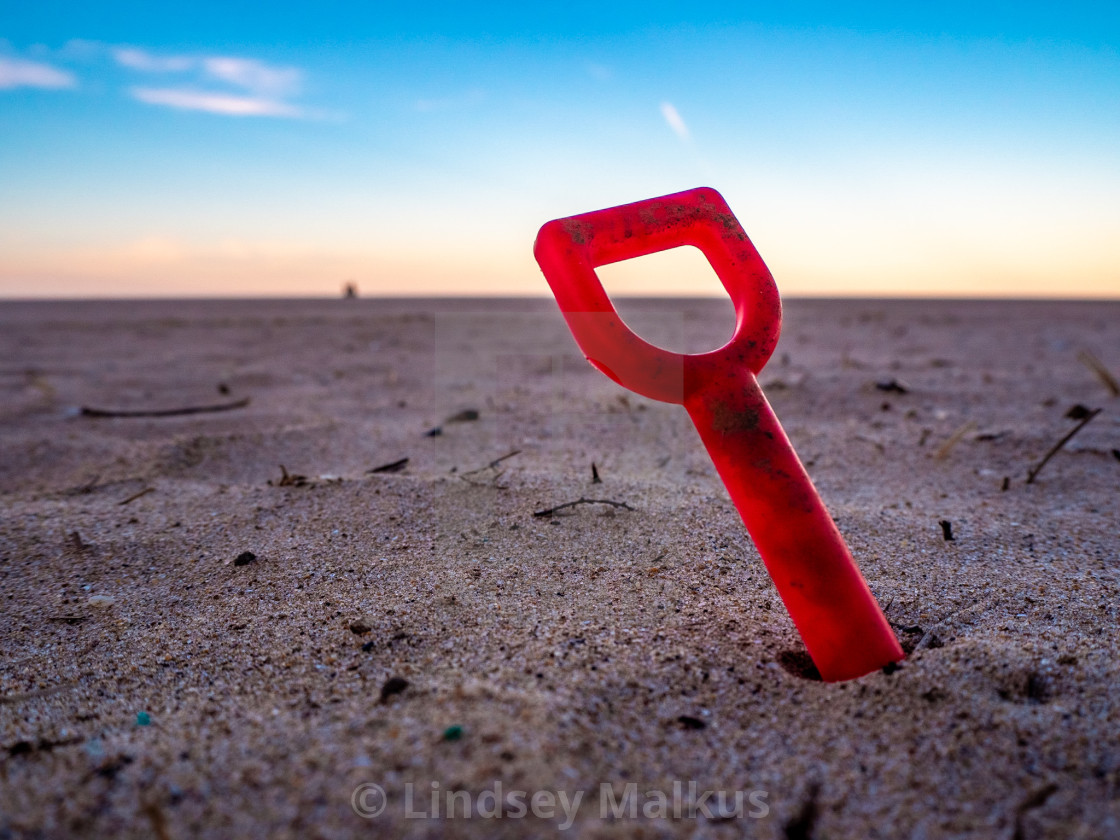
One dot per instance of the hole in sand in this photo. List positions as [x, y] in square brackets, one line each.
[656, 295]
[799, 663]
[1027, 687]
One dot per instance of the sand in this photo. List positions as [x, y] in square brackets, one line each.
[422, 630]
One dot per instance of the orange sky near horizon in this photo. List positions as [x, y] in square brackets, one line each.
[164, 267]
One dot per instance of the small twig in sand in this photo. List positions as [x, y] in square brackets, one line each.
[595, 474]
[394, 466]
[954, 439]
[151, 809]
[493, 465]
[1034, 800]
[136, 496]
[892, 386]
[31, 695]
[166, 412]
[467, 415]
[582, 501]
[1097, 366]
[290, 479]
[1033, 472]
[72, 620]
[497, 461]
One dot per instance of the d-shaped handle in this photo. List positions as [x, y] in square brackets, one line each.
[568, 251]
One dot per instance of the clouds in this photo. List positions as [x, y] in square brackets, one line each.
[674, 119]
[255, 76]
[18, 72]
[215, 103]
[225, 85]
[215, 84]
[140, 60]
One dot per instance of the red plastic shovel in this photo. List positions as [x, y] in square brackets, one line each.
[845, 631]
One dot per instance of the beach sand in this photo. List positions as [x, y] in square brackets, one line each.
[421, 627]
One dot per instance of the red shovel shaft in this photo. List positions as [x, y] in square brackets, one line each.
[826, 596]
[828, 599]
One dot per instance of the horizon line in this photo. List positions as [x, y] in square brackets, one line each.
[547, 297]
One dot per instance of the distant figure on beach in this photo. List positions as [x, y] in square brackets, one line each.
[350, 290]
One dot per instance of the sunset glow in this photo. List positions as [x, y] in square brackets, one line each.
[954, 150]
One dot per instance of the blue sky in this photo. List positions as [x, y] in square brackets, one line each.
[875, 149]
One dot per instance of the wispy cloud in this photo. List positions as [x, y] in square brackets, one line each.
[137, 59]
[253, 88]
[255, 76]
[673, 118]
[216, 103]
[18, 72]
